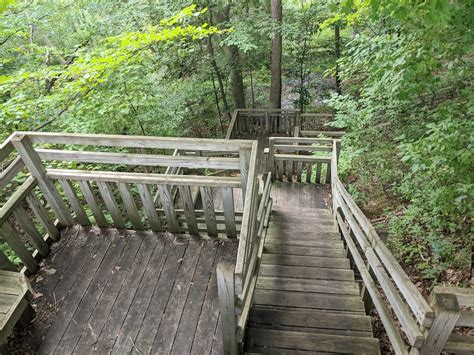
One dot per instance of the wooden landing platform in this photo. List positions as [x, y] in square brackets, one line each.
[103, 292]
[306, 298]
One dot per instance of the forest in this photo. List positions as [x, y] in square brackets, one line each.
[396, 75]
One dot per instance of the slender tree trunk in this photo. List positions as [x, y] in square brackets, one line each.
[216, 98]
[275, 89]
[234, 60]
[337, 52]
[212, 59]
[252, 90]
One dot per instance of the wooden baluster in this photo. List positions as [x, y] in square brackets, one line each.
[328, 173]
[309, 172]
[188, 207]
[318, 173]
[149, 207]
[81, 215]
[30, 230]
[130, 206]
[10, 235]
[92, 203]
[209, 211]
[229, 211]
[40, 211]
[111, 204]
[168, 206]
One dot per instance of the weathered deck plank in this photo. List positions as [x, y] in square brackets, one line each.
[129, 293]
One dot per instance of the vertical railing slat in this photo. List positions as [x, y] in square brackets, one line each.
[168, 207]
[40, 211]
[149, 207]
[188, 207]
[10, 235]
[229, 211]
[111, 204]
[75, 203]
[92, 203]
[30, 230]
[209, 211]
[130, 206]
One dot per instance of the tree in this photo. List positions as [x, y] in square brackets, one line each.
[234, 60]
[275, 88]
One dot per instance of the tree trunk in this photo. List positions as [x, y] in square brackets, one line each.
[337, 52]
[275, 89]
[212, 59]
[234, 61]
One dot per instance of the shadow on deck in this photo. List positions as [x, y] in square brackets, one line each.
[105, 291]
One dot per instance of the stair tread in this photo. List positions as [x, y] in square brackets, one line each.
[307, 285]
[303, 260]
[307, 272]
[271, 338]
[347, 303]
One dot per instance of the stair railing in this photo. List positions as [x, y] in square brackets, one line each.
[400, 305]
[236, 282]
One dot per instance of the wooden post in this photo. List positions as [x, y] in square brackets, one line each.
[33, 162]
[447, 313]
[298, 128]
[338, 149]
[244, 155]
[226, 293]
[271, 158]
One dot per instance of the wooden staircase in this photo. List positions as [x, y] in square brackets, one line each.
[306, 299]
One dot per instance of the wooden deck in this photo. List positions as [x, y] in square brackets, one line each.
[306, 298]
[105, 292]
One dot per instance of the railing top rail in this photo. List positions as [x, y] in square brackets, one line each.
[202, 144]
[143, 178]
[277, 140]
[267, 110]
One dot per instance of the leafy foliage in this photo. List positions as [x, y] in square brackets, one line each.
[408, 107]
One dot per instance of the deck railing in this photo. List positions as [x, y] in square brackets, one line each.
[294, 159]
[91, 185]
[251, 123]
[236, 283]
[256, 122]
